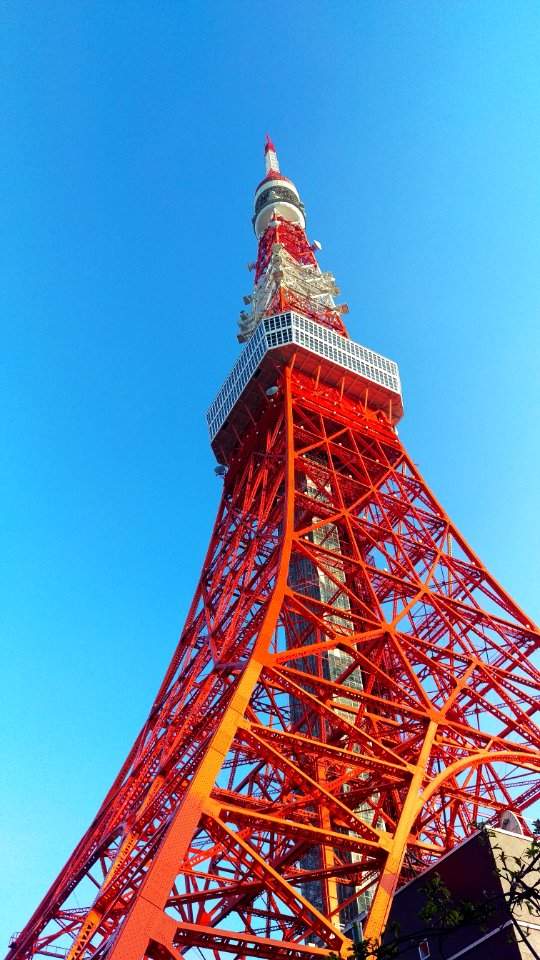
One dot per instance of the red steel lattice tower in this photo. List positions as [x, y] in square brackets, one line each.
[352, 690]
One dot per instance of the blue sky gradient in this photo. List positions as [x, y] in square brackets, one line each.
[131, 143]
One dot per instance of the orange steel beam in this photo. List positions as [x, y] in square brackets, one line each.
[350, 694]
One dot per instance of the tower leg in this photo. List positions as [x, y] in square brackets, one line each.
[315, 739]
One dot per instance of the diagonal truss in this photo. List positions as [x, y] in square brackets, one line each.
[351, 693]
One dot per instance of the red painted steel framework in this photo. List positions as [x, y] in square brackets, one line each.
[352, 690]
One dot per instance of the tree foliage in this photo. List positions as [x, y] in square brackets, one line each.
[441, 914]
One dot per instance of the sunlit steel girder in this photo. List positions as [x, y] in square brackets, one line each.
[252, 756]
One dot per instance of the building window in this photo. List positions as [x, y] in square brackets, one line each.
[423, 950]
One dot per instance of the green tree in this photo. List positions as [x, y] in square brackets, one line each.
[441, 914]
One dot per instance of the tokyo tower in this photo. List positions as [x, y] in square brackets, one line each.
[352, 691]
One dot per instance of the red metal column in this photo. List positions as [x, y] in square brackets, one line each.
[329, 552]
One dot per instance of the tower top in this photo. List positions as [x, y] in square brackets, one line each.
[270, 156]
[276, 195]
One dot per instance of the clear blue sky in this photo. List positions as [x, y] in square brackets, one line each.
[131, 141]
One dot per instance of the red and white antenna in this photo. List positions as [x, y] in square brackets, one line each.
[287, 275]
[270, 156]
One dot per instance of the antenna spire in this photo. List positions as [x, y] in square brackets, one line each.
[270, 156]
